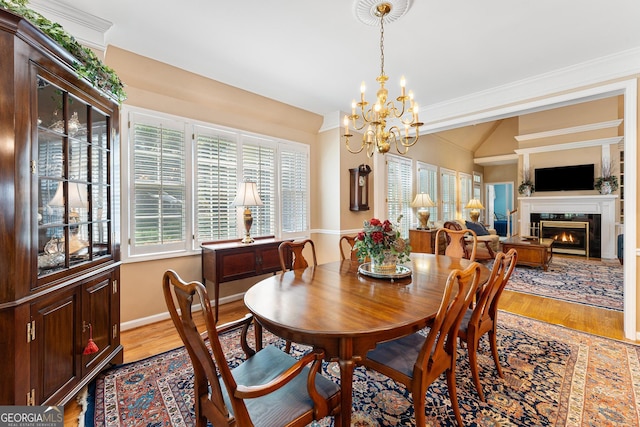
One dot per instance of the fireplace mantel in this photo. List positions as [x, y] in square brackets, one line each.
[595, 204]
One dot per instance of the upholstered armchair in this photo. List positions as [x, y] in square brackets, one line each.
[484, 234]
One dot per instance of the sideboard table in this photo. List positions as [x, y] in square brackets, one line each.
[225, 261]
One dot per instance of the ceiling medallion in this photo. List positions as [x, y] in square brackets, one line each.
[366, 11]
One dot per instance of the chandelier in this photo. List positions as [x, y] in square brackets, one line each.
[377, 137]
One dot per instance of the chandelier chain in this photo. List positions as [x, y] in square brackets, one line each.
[382, 45]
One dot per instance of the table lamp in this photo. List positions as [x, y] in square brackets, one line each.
[422, 201]
[474, 205]
[247, 196]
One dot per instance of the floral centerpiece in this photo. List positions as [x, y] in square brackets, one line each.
[382, 243]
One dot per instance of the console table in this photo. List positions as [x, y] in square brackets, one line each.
[423, 241]
[225, 261]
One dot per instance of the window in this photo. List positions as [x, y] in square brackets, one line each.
[184, 176]
[428, 183]
[477, 186]
[294, 164]
[448, 194]
[466, 189]
[158, 178]
[399, 191]
[216, 182]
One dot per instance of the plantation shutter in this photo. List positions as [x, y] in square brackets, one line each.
[295, 189]
[259, 165]
[428, 183]
[159, 189]
[216, 182]
[399, 192]
[448, 194]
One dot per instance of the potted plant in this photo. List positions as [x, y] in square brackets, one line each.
[526, 187]
[607, 183]
[382, 243]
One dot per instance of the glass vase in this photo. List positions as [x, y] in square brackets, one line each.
[386, 265]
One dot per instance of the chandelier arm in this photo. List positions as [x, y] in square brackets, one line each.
[410, 142]
[394, 110]
[354, 121]
[349, 146]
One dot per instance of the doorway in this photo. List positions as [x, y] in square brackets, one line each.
[499, 201]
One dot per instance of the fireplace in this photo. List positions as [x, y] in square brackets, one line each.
[576, 234]
[598, 210]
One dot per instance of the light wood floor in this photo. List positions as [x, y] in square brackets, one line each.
[159, 337]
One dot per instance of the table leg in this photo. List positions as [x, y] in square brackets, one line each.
[346, 389]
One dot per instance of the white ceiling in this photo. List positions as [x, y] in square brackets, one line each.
[314, 55]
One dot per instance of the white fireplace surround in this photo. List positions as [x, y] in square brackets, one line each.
[597, 204]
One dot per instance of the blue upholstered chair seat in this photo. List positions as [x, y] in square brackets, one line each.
[267, 410]
[400, 354]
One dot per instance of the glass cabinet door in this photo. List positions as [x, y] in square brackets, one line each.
[73, 153]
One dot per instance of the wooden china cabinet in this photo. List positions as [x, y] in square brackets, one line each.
[59, 249]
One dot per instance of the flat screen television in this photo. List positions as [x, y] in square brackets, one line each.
[564, 178]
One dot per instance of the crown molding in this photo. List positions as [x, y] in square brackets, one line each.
[506, 159]
[570, 145]
[569, 130]
[89, 30]
[492, 104]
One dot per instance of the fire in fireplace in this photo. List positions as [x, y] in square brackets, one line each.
[570, 237]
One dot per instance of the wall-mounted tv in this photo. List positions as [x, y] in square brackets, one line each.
[564, 178]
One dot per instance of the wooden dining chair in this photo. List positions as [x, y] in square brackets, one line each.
[482, 318]
[347, 242]
[457, 245]
[269, 388]
[295, 249]
[415, 360]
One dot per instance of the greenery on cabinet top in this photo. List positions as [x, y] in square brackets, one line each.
[88, 65]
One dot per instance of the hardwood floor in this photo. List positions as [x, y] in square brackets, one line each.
[152, 339]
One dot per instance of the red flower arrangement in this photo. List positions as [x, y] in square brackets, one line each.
[378, 238]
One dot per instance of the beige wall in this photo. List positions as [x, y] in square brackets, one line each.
[502, 141]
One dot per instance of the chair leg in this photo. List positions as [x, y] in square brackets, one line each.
[472, 350]
[494, 351]
[419, 403]
[453, 395]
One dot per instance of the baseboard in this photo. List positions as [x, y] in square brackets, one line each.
[143, 321]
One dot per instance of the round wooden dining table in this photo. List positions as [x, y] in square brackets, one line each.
[346, 313]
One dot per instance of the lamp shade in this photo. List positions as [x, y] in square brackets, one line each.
[77, 196]
[474, 204]
[422, 200]
[247, 195]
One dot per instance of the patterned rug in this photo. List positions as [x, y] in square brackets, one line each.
[579, 280]
[554, 376]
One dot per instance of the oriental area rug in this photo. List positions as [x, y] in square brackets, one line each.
[579, 280]
[553, 376]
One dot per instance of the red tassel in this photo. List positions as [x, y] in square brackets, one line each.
[91, 346]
